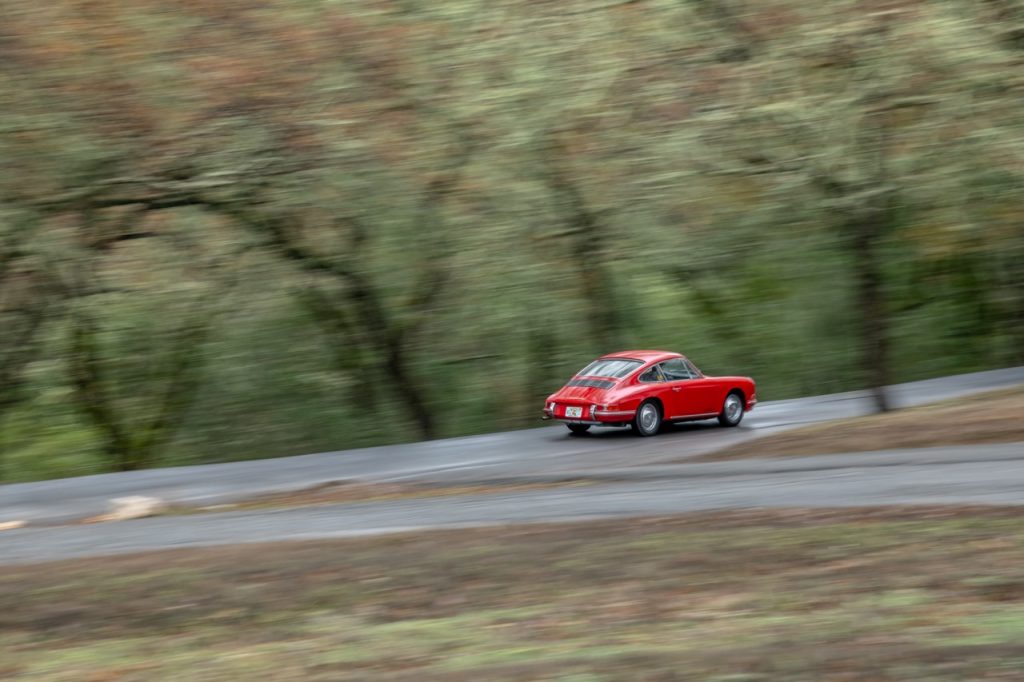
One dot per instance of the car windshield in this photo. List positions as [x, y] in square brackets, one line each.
[615, 368]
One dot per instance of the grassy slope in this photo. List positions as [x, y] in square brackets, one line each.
[880, 595]
[988, 418]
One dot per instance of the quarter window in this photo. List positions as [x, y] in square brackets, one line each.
[677, 369]
[652, 375]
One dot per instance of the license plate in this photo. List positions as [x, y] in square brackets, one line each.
[574, 412]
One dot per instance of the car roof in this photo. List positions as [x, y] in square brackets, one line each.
[644, 355]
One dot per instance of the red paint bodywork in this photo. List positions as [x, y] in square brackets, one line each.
[680, 400]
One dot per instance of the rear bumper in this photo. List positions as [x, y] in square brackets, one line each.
[615, 415]
[599, 417]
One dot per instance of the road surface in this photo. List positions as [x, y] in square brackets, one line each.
[631, 477]
[989, 474]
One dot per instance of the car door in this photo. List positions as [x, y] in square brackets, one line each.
[684, 397]
[707, 392]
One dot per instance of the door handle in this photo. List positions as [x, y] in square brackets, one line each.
[677, 388]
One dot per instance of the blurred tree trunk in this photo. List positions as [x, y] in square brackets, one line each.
[136, 446]
[387, 328]
[358, 299]
[870, 215]
[19, 347]
[387, 332]
[865, 219]
[391, 341]
[92, 399]
[541, 354]
[349, 348]
[1015, 314]
[587, 248]
[841, 139]
[132, 442]
[26, 300]
[872, 310]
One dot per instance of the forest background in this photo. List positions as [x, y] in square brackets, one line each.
[242, 229]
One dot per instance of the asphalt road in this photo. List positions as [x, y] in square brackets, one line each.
[632, 479]
[991, 474]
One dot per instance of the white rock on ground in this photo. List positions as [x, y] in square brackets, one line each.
[132, 507]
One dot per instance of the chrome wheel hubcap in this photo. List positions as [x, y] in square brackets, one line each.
[648, 417]
[733, 408]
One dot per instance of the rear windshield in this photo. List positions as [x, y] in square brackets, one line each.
[616, 368]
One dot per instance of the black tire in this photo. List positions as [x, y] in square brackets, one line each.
[732, 410]
[647, 421]
[578, 429]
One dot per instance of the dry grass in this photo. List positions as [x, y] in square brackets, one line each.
[996, 417]
[830, 596]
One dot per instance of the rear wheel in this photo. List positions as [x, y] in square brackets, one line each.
[647, 421]
[577, 429]
[732, 410]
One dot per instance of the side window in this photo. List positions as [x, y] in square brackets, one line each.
[652, 375]
[676, 370]
[693, 369]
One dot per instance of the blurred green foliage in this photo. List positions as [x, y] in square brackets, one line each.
[234, 230]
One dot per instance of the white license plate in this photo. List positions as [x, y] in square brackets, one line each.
[574, 412]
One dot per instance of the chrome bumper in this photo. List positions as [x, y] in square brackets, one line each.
[609, 416]
[616, 414]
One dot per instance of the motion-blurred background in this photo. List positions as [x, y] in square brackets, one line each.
[242, 229]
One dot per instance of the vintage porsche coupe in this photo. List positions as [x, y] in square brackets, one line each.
[645, 389]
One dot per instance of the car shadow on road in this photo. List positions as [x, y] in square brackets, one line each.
[667, 430]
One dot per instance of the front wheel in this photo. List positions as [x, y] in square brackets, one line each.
[732, 410]
[578, 429]
[647, 421]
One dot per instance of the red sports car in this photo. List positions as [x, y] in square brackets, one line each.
[646, 388]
